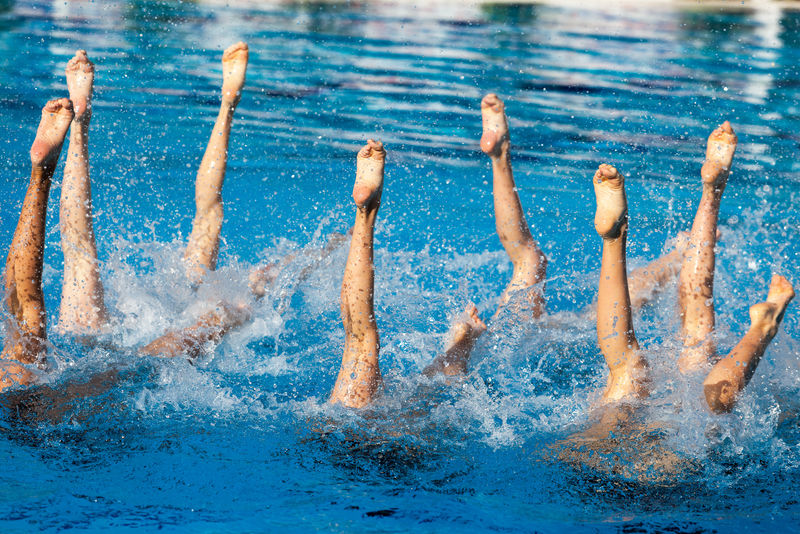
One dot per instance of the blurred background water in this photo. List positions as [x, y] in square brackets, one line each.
[243, 440]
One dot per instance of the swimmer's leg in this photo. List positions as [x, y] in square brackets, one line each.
[27, 330]
[464, 333]
[359, 376]
[263, 276]
[201, 252]
[696, 286]
[645, 282]
[530, 263]
[83, 309]
[209, 328]
[731, 374]
[615, 333]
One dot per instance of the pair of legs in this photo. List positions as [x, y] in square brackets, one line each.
[82, 306]
[359, 376]
[615, 332]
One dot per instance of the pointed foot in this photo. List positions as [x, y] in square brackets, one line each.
[56, 118]
[234, 69]
[495, 138]
[719, 156]
[369, 175]
[80, 82]
[612, 205]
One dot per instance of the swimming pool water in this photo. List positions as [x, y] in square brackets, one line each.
[244, 441]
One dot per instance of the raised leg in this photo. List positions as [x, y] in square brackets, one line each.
[615, 333]
[530, 263]
[201, 252]
[465, 331]
[359, 376]
[731, 374]
[27, 332]
[696, 285]
[83, 309]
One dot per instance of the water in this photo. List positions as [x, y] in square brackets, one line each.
[244, 440]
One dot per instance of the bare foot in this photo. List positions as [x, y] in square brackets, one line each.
[80, 81]
[56, 118]
[719, 155]
[495, 138]
[780, 295]
[612, 205]
[467, 328]
[234, 67]
[369, 175]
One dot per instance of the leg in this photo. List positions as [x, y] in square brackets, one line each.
[614, 324]
[262, 277]
[730, 375]
[190, 341]
[359, 376]
[25, 341]
[464, 333]
[696, 286]
[201, 252]
[82, 306]
[645, 282]
[530, 264]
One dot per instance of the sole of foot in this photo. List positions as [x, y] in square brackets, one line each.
[80, 82]
[612, 204]
[495, 136]
[56, 118]
[719, 156]
[369, 175]
[234, 69]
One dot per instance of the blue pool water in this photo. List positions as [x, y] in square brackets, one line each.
[244, 440]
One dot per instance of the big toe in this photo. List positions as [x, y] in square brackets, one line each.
[607, 174]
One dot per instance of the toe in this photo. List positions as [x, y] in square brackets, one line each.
[606, 172]
[234, 50]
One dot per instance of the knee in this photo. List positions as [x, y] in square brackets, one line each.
[720, 396]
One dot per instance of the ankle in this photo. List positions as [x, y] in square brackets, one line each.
[501, 156]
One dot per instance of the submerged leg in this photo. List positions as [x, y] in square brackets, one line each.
[209, 328]
[26, 332]
[645, 282]
[465, 331]
[201, 252]
[730, 375]
[83, 309]
[696, 286]
[615, 333]
[530, 263]
[359, 376]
